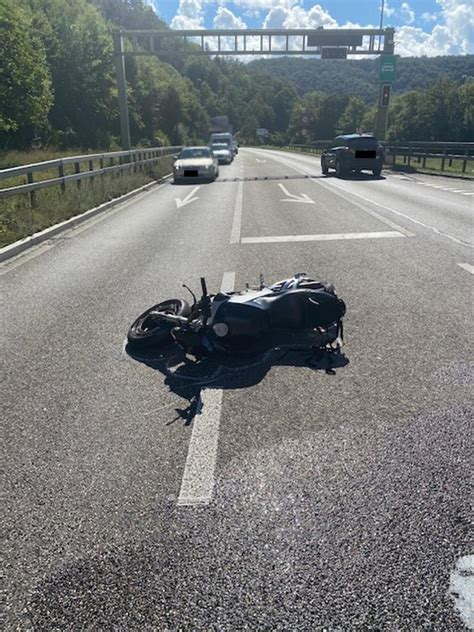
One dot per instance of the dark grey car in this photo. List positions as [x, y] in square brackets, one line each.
[353, 153]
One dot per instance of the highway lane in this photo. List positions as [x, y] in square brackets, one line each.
[339, 501]
[79, 415]
[443, 203]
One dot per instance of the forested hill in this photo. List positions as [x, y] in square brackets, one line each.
[360, 77]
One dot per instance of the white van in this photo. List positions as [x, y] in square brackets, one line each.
[223, 138]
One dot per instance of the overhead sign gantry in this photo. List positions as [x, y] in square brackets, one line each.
[328, 43]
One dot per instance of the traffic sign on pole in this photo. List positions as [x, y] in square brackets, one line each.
[388, 64]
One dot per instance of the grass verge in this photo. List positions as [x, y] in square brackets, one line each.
[17, 158]
[19, 218]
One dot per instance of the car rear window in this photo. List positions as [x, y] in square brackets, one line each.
[363, 143]
[197, 152]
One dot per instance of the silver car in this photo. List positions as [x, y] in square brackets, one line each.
[195, 162]
[223, 153]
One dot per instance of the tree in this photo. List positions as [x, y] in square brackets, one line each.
[79, 53]
[410, 118]
[353, 116]
[466, 96]
[25, 85]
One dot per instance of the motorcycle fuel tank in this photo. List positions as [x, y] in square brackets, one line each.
[242, 316]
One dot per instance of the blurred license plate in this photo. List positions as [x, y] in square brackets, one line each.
[191, 173]
[366, 153]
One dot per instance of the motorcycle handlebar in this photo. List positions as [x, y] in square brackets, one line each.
[171, 318]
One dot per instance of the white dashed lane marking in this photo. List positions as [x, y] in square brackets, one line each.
[442, 187]
[197, 486]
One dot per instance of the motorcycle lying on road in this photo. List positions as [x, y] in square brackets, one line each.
[295, 311]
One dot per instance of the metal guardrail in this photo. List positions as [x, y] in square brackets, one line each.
[133, 160]
[419, 150]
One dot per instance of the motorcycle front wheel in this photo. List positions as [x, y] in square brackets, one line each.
[149, 330]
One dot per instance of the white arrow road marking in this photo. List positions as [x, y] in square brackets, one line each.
[258, 160]
[467, 266]
[188, 199]
[305, 199]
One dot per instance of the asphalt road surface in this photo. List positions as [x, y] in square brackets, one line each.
[276, 496]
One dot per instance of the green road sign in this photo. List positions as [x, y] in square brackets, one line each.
[387, 67]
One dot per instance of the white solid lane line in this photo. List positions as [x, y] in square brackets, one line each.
[323, 237]
[197, 485]
[467, 266]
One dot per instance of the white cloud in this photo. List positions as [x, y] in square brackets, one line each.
[387, 11]
[225, 19]
[429, 17]
[407, 13]
[452, 36]
[252, 13]
[411, 41]
[258, 5]
[458, 16]
[189, 15]
[296, 17]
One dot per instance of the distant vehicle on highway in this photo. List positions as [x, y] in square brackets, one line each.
[223, 153]
[195, 162]
[226, 138]
[353, 153]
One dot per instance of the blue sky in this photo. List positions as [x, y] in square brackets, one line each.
[424, 27]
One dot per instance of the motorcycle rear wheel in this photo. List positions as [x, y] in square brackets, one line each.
[149, 331]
